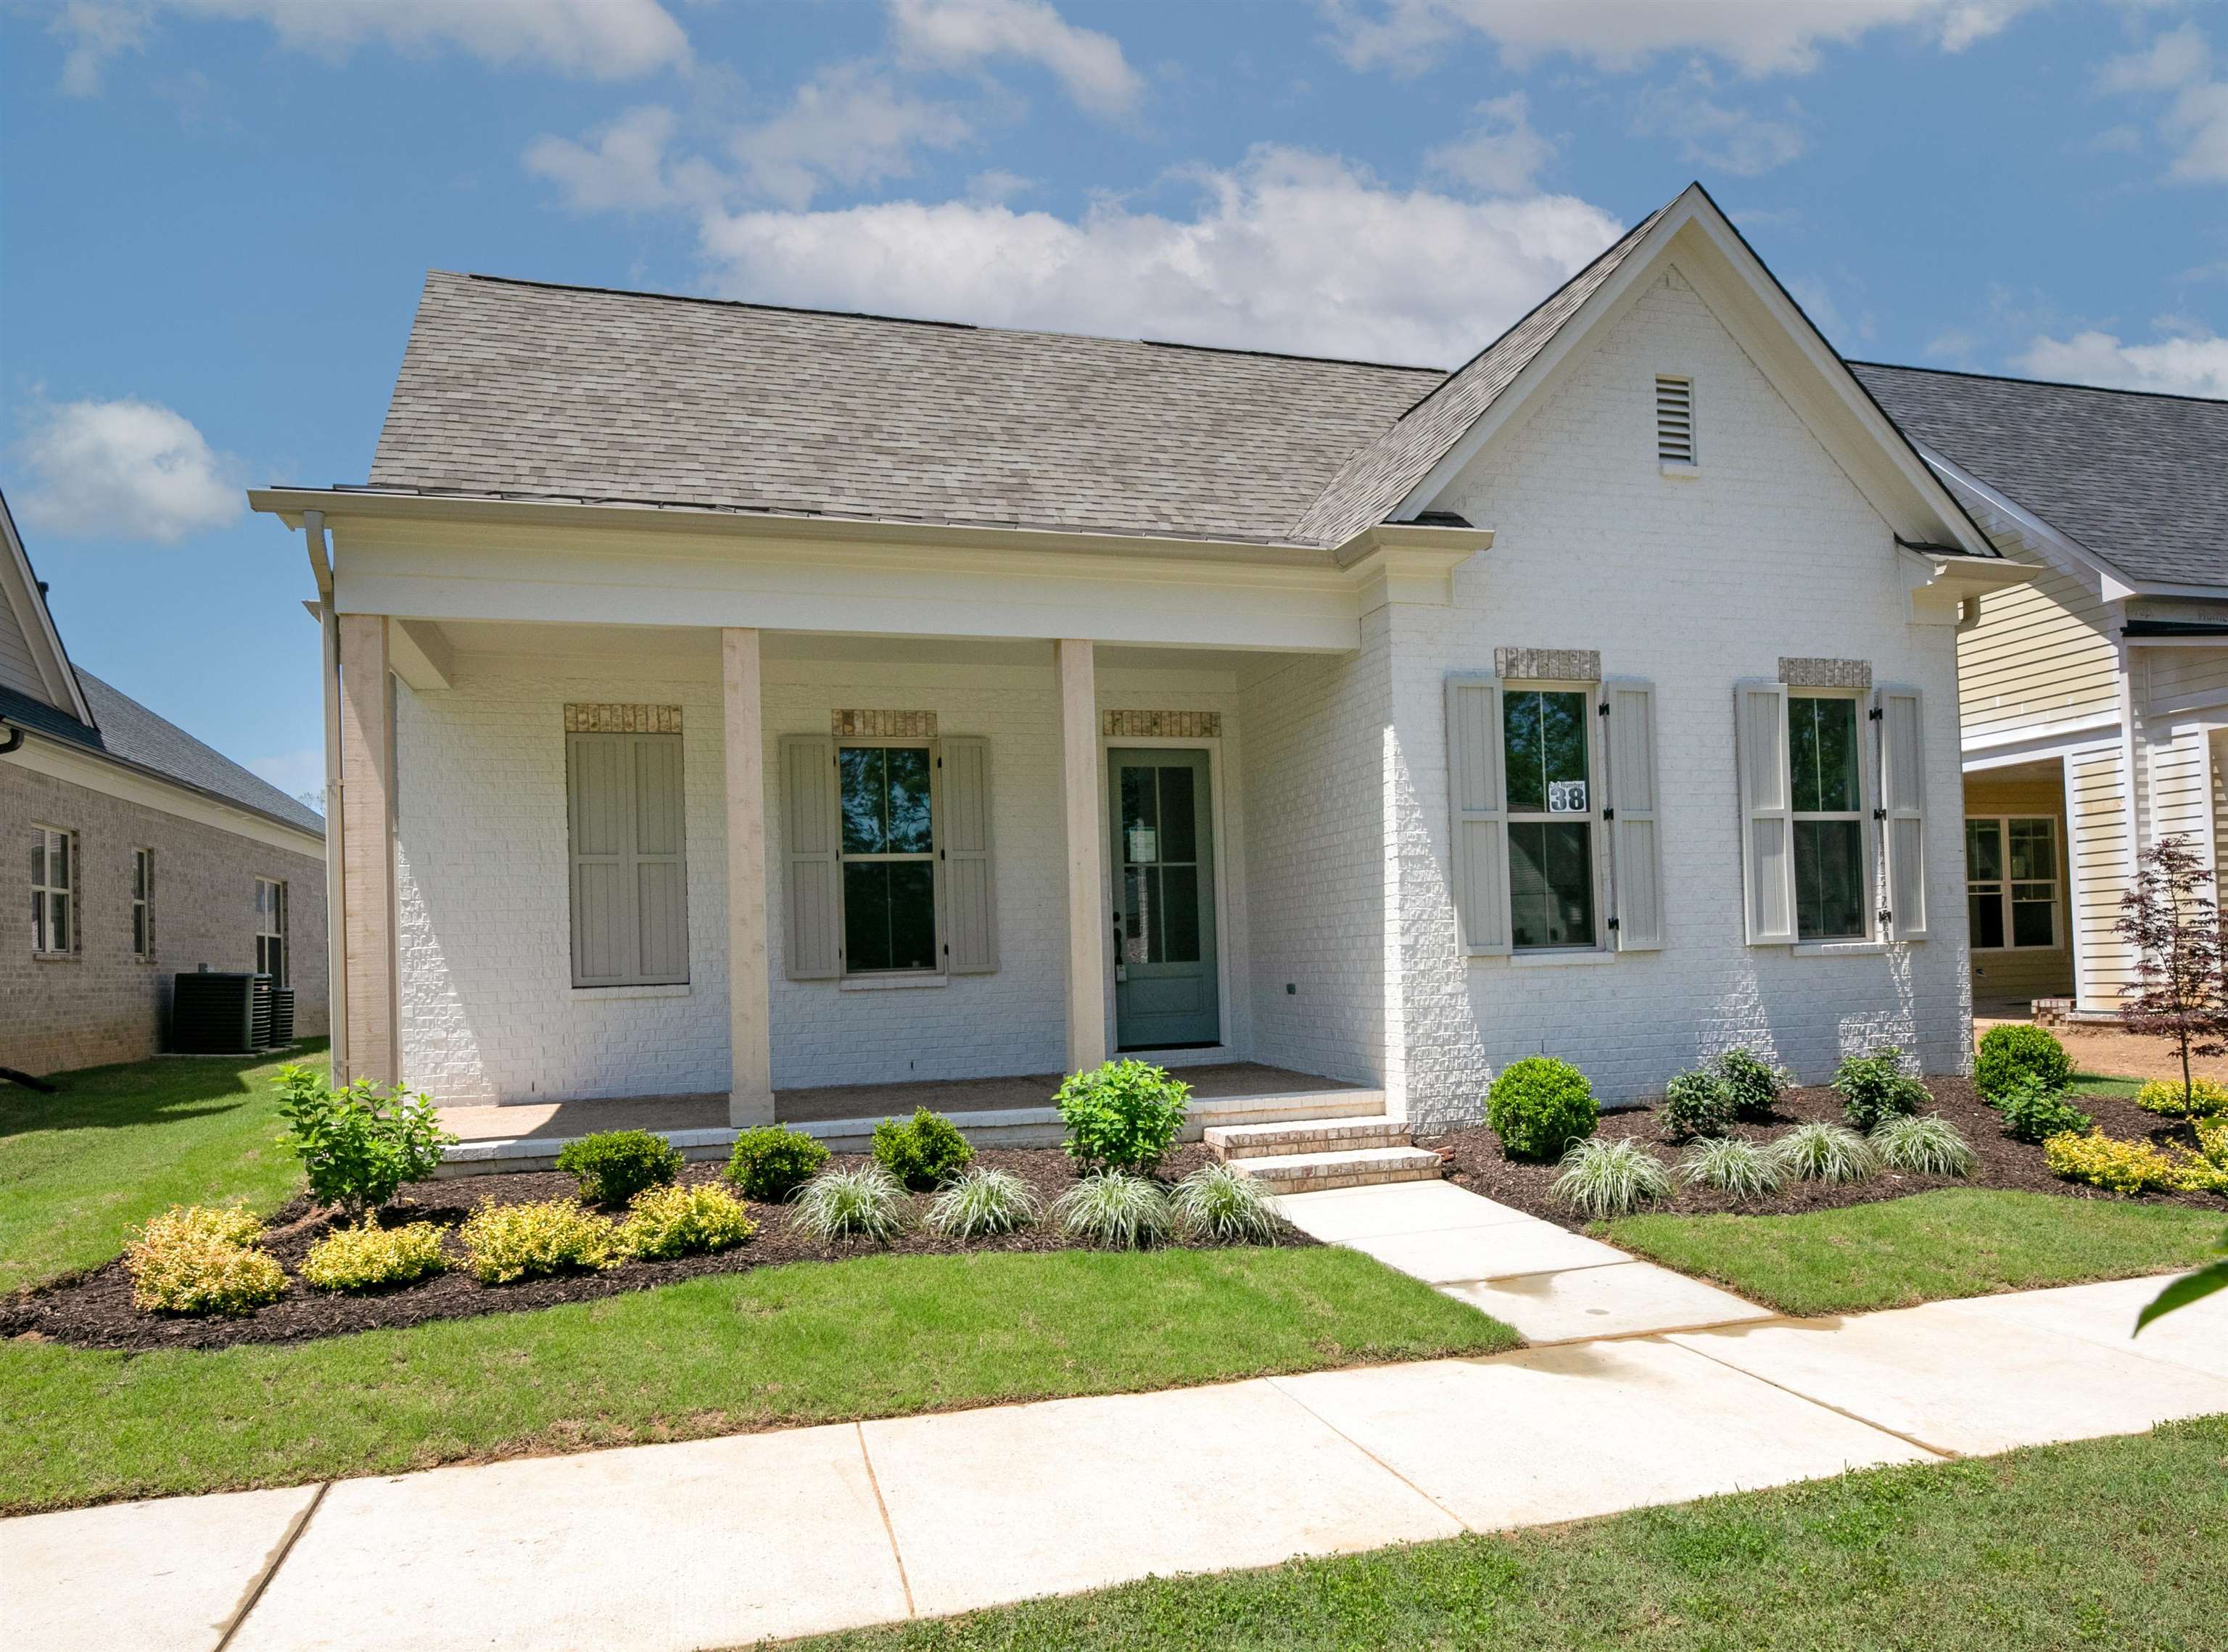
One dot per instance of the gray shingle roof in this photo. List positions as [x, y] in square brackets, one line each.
[2142, 480]
[510, 386]
[133, 734]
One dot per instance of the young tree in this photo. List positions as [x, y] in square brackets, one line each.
[2173, 928]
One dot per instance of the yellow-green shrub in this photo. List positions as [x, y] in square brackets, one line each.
[2133, 1167]
[199, 1259]
[362, 1259]
[684, 1221]
[509, 1242]
[2207, 1099]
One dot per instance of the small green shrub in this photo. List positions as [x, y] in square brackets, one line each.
[1109, 1207]
[2205, 1098]
[511, 1242]
[1824, 1153]
[200, 1259]
[695, 1221]
[359, 1144]
[1697, 1104]
[366, 1257]
[770, 1163]
[1122, 1115]
[2015, 1052]
[867, 1203]
[1539, 1107]
[1217, 1202]
[1728, 1165]
[1602, 1179]
[613, 1166]
[1925, 1145]
[923, 1152]
[1875, 1087]
[983, 1203]
[1754, 1083]
[2033, 1112]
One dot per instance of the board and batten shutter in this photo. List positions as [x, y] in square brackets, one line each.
[1636, 841]
[1477, 802]
[1767, 814]
[970, 897]
[1898, 713]
[629, 872]
[811, 900]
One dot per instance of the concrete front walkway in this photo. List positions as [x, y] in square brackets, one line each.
[669, 1548]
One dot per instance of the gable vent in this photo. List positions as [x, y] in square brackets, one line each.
[1674, 419]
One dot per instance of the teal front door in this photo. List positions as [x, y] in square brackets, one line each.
[1167, 991]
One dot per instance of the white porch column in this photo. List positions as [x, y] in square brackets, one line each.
[366, 803]
[750, 1099]
[1089, 926]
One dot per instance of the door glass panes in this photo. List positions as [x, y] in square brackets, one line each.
[1159, 849]
[1829, 877]
[888, 849]
[1551, 885]
[1544, 742]
[1823, 754]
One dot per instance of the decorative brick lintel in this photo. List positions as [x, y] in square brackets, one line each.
[1805, 672]
[883, 724]
[1548, 664]
[1164, 725]
[622, 720]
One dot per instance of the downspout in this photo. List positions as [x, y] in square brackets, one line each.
[321, 568]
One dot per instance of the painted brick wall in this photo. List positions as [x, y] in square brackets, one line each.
[106, 1003]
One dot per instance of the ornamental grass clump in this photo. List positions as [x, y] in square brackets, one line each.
[836, 1205]
[200, 1259]
[507, 1243]
[923, 1152]
[2204, 1098]
[613, 1166]
[1602, 1179]
[698, 1219]
[1728, 1165]
[769, 1163]
[1829, 1153]
[1875, 1087]
[1924, 1144]
[1217, 1202]
[1109, 1207]
[2016, 1053]
[1753, 1082]
[1539, 1107]
[2033, 1112]
[1697, 1104]
[368, 1258]
[1121, 1115]
[983, 1204]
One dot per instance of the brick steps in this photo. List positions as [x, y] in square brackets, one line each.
[1291, 1137]
[1333, 1153]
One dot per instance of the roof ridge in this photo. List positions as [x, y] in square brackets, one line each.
[2045, 384]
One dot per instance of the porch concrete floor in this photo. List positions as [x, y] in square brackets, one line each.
[563, 1119]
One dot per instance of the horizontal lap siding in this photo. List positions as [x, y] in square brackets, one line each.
[2102, 863]
[2039, 656]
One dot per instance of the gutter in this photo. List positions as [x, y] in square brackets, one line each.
[321, 569]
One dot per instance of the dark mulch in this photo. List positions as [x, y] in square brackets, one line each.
[1477, 1163]
[94, 1309]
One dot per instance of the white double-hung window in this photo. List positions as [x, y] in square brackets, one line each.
[53, 891]
[2010, 881]
[1825, 765]
[1546, 757]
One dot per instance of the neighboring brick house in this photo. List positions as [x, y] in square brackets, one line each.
[746, 700]
[135, 852]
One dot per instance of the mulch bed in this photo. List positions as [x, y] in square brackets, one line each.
[94, 1309]
[1476, 1162]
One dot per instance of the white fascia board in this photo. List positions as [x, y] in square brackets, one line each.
[19, 588]
[2026, 745]
[2065, 552]
[113, 777]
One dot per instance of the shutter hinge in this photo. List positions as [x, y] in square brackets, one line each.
[1609, 814]
[1879, 814]
[1601, 710]
[1612, 923]
[1873, 714]
[1886, 917]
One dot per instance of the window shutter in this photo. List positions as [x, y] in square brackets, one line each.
[1903, 809]
[971, 924]
[661, 874]
[809, 893]
[603, 902]
[1476, 799]
[1634, 838]
[1767, 813]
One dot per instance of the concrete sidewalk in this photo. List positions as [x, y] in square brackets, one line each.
[669, 1548]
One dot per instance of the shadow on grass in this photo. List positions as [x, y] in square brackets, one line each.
[164, 1091]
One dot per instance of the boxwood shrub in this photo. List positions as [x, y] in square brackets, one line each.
[1539, 1107]
[924, 1152]
[2017, 1051]
[770, 1163]
[613, 1166]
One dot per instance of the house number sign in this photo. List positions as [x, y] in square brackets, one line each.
[1566, 797]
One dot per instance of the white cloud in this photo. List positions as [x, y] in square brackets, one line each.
[1500, 155]
[1287, 251]
[1759, 36]
[966, 34]
[2191, 365]
[847, 126]
[1713, 134]
[2174, 59]
[125, 469]
[626, 169]
[2194, 123]
[603, 40]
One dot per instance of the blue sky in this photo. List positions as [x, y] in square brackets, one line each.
[216, 215]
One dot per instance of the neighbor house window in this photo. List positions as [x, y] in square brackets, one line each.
[143, 903]
[2011, 880]
[1551, 818]
[1824, 774]
[53, 890]
[271, 930]
[887, 801]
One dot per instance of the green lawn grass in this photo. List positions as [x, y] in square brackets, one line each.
[1953, 1242]
[119, 1144]
[872, 1336]
[2107, 1543]
[2102, 1084]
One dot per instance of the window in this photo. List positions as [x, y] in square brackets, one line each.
[1551, 818]
[271, 930]
[2012, 861]
[886, 796]
[630, 874]
[1675, 420]
[1826, 793]
[143, 903]
[53, 890]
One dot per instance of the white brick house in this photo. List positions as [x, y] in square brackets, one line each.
[742, 701]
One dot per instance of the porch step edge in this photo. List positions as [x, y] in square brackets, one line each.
[1234, 1142]
[1353, 1167]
